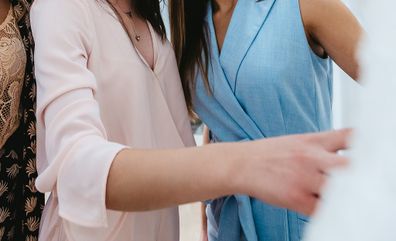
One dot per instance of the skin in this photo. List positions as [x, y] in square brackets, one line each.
[331, 30]
[330, 27]
[286, 171]
[204, 218]
[4, 9]
[145, 45]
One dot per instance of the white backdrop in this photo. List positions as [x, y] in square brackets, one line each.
[359, 203]
[345, 89]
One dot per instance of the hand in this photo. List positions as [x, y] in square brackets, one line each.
[290, 171]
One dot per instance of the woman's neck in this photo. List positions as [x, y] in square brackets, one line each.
[125, 5]
[224, 5]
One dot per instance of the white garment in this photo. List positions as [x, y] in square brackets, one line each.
[360, 202]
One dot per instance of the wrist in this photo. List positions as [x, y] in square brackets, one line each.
[230, 162]
[245, 164]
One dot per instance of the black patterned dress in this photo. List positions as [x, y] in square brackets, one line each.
[21, 204]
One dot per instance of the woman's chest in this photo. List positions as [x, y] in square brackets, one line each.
[122, 76]
[115, 61]
[271, 63]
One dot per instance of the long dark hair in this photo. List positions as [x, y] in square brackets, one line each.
[190, 41]
[151, 10]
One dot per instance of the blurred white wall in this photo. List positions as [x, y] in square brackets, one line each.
[345, 89]
[359, 202]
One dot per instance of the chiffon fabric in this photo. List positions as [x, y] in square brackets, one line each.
[96, 97]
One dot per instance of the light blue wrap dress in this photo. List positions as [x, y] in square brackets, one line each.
[266, 82]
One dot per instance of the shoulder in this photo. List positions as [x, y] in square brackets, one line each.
[63, 21]
[314, 12]
[61, 8]
[315, 4]
[61, 13]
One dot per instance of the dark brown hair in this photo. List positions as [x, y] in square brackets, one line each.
[151, 10]
[190, 40]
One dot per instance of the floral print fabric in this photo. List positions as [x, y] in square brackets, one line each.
[20, 203]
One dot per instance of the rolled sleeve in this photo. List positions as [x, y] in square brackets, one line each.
[72, 139]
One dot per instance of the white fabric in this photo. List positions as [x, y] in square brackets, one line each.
[359, 204]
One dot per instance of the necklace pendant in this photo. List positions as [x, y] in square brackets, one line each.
[137, 37]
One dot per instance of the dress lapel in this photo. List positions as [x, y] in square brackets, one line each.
[247, 20]
[224, 95]
[224, 67]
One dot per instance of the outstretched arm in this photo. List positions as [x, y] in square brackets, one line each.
[285, 171]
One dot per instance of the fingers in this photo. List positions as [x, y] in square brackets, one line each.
[333, 141]
[309, 205]
[330, 161]
[315, 182]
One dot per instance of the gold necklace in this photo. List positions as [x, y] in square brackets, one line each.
[137, 36]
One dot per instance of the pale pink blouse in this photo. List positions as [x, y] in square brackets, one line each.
[96, 96]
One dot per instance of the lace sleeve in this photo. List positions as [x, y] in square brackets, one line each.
[12, 72]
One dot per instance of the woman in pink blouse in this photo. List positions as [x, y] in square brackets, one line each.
[113, 127]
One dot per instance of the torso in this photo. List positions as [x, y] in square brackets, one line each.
[266, 82]
[140, 107]
[221, 21]
[145, 44]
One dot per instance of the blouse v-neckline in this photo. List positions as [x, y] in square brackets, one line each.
[123, 21]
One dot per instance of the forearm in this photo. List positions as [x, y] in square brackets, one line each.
[141, 180]
[285, 171]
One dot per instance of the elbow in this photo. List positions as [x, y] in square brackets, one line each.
[121, 192]
[356, 73]
[116, 179]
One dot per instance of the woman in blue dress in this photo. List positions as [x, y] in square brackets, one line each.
[254, 69]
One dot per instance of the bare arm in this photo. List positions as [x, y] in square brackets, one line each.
[333, 29]
[166, 178]
[204, 218]
[285, 171]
